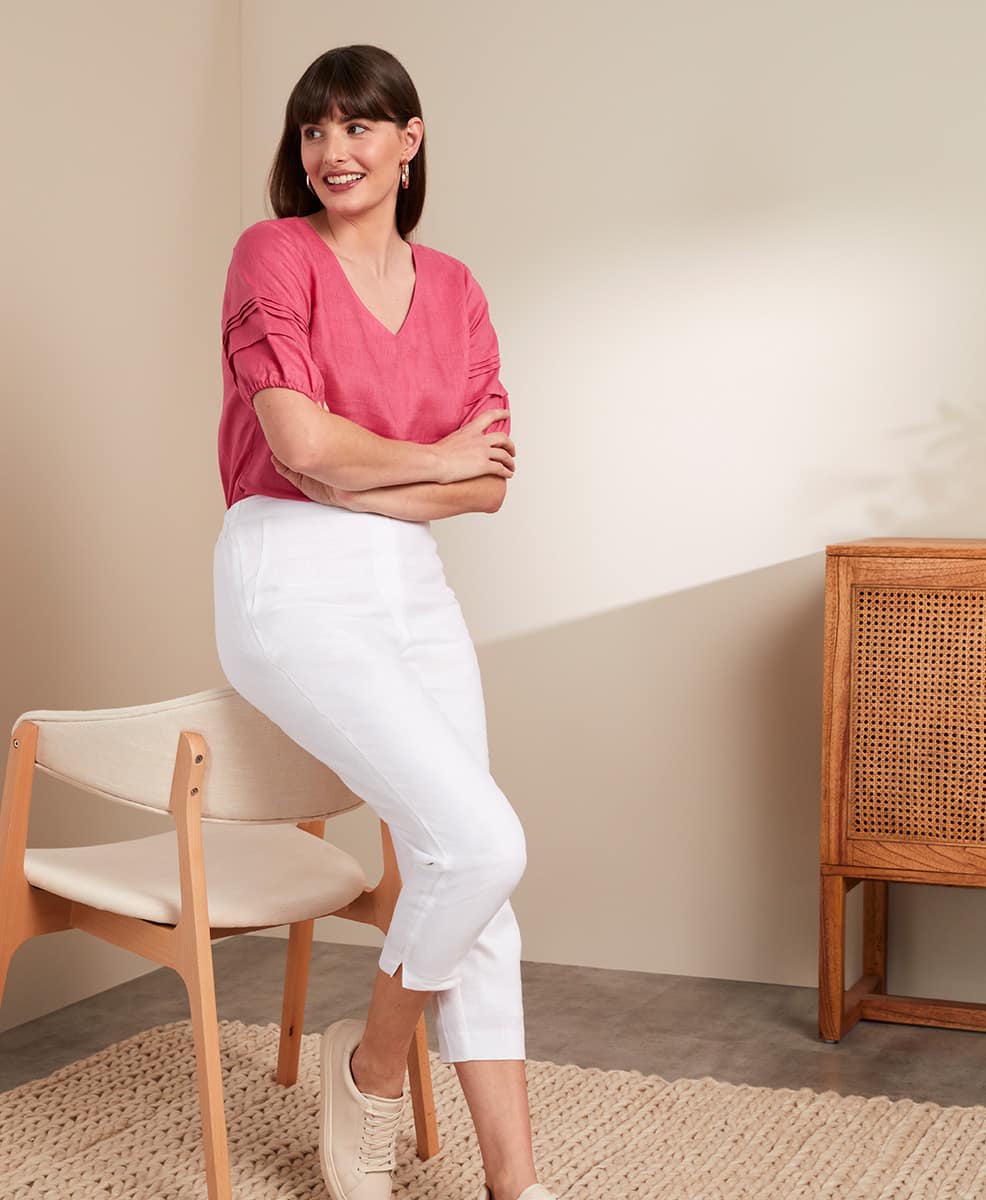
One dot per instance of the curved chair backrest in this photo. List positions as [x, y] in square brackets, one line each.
[253, 770]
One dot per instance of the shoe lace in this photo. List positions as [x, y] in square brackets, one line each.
[378, 1139]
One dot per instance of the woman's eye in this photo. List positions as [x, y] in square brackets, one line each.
[312, 129]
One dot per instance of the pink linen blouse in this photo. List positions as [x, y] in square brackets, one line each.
[291, 319]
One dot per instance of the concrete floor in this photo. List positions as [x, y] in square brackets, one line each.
[666, 1025]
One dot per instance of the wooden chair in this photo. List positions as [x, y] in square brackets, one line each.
[245, 800]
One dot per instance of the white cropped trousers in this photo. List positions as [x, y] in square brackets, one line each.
[340, 627]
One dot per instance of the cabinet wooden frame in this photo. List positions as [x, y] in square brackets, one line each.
[955, 568]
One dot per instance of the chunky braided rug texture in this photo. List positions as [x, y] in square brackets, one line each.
[125, 1123]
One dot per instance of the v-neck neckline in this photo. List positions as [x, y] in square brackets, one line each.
[373, 317]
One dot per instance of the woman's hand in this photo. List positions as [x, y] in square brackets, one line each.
[469, 451]
[314, 489]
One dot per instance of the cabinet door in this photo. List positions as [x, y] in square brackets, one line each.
[904, 770]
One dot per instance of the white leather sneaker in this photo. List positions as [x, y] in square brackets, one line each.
[533, 1191]
[357, 1132]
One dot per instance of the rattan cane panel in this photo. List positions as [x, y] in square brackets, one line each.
[917, 753]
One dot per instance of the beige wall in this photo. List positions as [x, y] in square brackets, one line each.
[121, 201]
[734, 254]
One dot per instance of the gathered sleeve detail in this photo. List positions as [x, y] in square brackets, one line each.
[484, 388]
[265, 318]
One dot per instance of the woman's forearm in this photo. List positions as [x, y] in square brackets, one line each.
[349, 456]
[431, 501]
[336, 451]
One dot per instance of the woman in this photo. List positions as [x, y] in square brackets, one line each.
[362, 399]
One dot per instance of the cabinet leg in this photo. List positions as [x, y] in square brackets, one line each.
[875, 931]
[831, 957]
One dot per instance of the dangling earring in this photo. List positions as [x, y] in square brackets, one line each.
[309, 182]
[405, 174]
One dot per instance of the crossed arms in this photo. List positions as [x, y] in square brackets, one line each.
[336, 461]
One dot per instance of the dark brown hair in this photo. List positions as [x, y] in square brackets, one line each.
[357, 81]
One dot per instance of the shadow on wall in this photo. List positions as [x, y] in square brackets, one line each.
[940, 493]
[664, 758]
[947, 487]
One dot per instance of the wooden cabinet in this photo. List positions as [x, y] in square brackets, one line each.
[903, 794]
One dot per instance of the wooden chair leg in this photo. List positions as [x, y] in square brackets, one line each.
[831, 957]
[25, 911]
[296, 973]
[194, 952]
[422, 1093]
[200, 984]
[293, 1006]
[15, 802]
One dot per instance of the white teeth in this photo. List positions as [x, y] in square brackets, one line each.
[341, 178]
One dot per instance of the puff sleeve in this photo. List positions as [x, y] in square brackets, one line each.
[265, 316]
[484, 388]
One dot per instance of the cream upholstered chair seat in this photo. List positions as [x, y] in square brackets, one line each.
[258, 875]
[247, 853]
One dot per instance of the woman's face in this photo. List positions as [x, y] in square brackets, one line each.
[358, 146]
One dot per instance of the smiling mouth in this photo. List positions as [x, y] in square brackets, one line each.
[342, 180]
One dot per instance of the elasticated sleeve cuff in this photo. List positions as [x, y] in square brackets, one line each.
[265, 327]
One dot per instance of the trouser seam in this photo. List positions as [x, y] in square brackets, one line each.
[412, 933]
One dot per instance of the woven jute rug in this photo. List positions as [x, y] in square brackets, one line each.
[125, 1123]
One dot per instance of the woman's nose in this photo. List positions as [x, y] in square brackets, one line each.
[330, 156]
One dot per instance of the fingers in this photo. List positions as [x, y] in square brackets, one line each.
[503, 457]
[501, 439]
[491, 415]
